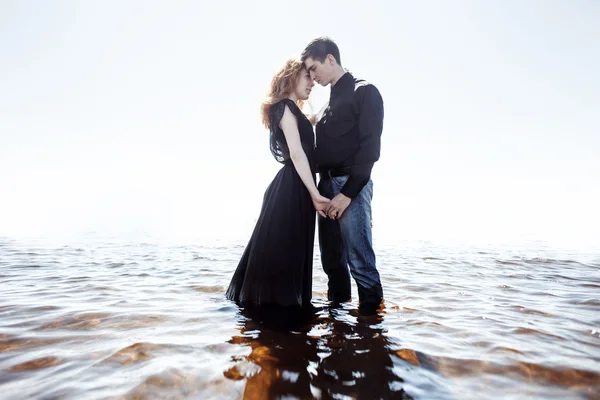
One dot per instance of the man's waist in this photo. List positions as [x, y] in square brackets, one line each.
[332, 172]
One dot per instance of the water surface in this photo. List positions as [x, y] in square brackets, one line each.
[147, 319]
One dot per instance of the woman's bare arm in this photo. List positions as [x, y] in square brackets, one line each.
[289, 125]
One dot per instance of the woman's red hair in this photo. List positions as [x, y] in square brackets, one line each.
[282, 85]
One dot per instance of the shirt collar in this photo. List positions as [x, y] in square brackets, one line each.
[345, 81]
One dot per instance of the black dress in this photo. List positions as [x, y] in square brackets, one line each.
[276, 267]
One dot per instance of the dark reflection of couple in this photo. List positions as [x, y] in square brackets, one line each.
[319, 354]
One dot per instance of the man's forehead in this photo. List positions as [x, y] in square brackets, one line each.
[309, 62]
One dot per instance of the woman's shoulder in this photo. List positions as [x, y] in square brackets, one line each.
[285, 102]
[278, 108]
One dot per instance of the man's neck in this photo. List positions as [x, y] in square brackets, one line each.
[338, 73]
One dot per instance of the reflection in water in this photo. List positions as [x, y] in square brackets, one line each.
[145, 320]
[330, 352]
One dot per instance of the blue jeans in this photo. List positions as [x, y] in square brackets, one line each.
[347, 242]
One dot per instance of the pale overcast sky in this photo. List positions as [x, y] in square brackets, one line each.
[144, 115]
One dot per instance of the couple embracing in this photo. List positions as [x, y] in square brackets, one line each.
[276, 266]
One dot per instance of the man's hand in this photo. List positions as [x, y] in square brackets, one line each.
[337, 206]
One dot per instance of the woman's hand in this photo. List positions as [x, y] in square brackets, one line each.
[320, 204]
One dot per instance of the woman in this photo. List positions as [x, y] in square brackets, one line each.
[276, 267]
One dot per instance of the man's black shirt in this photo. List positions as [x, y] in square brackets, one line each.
[349, 132]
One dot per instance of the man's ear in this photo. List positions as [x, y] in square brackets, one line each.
[331, 59]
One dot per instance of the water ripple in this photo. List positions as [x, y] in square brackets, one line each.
[127, 320]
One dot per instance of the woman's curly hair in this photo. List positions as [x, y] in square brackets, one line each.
[283, 83]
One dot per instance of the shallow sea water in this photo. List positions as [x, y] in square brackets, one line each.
[144, 319]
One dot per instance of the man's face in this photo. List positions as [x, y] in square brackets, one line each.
[320, 72]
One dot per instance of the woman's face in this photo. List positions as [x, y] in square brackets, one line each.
[304, 85]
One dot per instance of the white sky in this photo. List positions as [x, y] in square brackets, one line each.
[121, 116]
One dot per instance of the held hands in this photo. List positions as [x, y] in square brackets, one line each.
[331, 208]
[337, 206]
[321, 203]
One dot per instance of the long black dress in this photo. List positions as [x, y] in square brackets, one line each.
[276, 267]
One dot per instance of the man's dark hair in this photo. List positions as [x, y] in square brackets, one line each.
[319, 48]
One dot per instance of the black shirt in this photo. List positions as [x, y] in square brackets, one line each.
[349, 133]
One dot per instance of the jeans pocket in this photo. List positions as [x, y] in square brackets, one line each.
[340, 180]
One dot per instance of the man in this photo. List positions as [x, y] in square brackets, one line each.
[348, 144]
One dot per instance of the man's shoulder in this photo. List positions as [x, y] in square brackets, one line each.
[362, 85]
[365, 89]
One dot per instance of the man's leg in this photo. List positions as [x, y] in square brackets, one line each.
[355, 226]
[332, 252]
